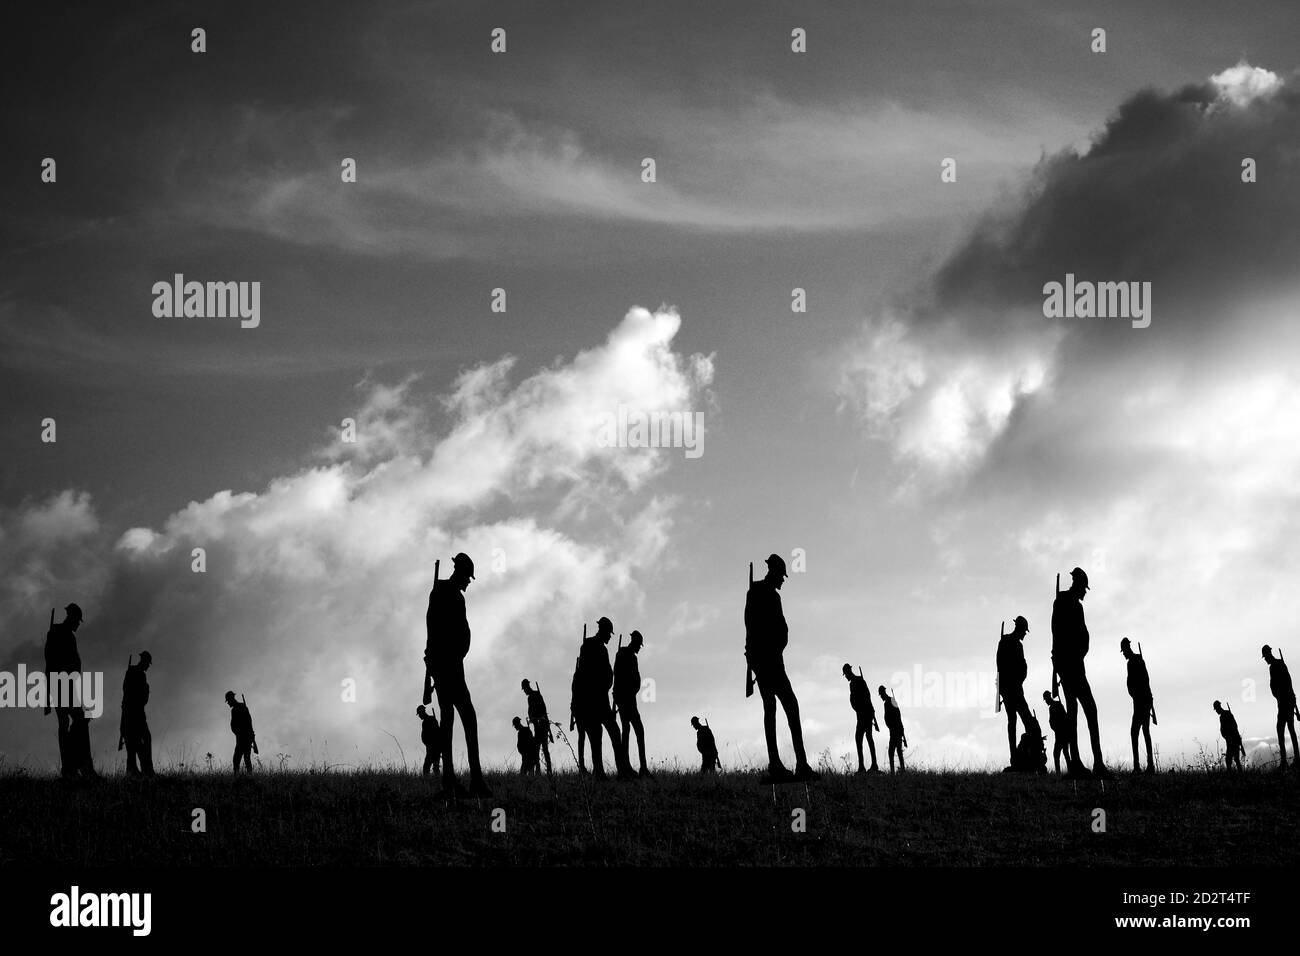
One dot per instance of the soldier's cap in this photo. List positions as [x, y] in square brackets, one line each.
[881, 688]
[230, 695]
[1217, 705]
[636, 636]
[604, 622]
[847, 669]
[1020, 619]
[146, 657]
[695, 720]
[524, 683]
[515, 722]
[463, 560]
[74, 609]
[777, 563]
[420, 710]
[1081, 576]
[1126, 643]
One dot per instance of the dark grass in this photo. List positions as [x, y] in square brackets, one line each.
[678, 819]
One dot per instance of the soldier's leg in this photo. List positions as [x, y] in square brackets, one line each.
[447, 713]
[595, 745]
[1021, 708]
[1089, 706]
[1281, 738]
[1146, 734]
[1056, 753]
[1134, 726]
[545, 745]
[1072, 738]
[857, 738]
[428, 760]
[639, 727]
[470, 719]
[146, 748]
[790, 704]
[582, 743]
[617, 742]
[128, 732]
[769, 722]
[235, 761]
[1295, 749]
[871, 745]
[63, 715]
[1011, 728]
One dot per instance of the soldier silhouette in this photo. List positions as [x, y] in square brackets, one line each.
[431, 737]
[1011, 679]
[627, 686]
[63, 658]
[894, 722]
[1069, 648]
[241, 725]
[1030, 755]
[540, 721]
[707, 747]
[1059, 721]
[595, 677]
[1279, 682]
[860, 701]
[577, 720]
[1139, 688]
[134, 730]
[526, 744]
[1231, 736]
[444, 658]
[766, 636]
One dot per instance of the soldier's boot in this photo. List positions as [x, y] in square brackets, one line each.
[477, 786]
[804, 772]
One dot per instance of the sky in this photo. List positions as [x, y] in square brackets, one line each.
[933, 447]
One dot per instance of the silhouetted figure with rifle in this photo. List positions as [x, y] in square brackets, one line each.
[766, 636]
[540, 721]
[241, 725]
[62, 660]
[526, 744]
[627, 687]
[865, 711]
[1279, 682]
[577, 721]
[1011, 679]
[444, 657]
[431, 737]
[134, 731]
[894, 722]
[1231, 736]
[707, 747]
[595, 677]
[1059, 721]
[1069, 648]
[1144, 708]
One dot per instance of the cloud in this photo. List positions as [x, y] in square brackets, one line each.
[322, 576]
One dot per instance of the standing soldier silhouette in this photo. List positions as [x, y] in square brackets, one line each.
[894, 721]
[241, 724]
[1069, 648]
[627, 686]
[860, 701]
[526, 744]
[706, 745]
[1011, 679]
[595, 677]
[444, 658]
[62, 657]
[1231, 736]
[1059, 721]
[1139, 688]
[540, 721]
[431, 737]
[134, 728]
[1279, 682]
[766, 636]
